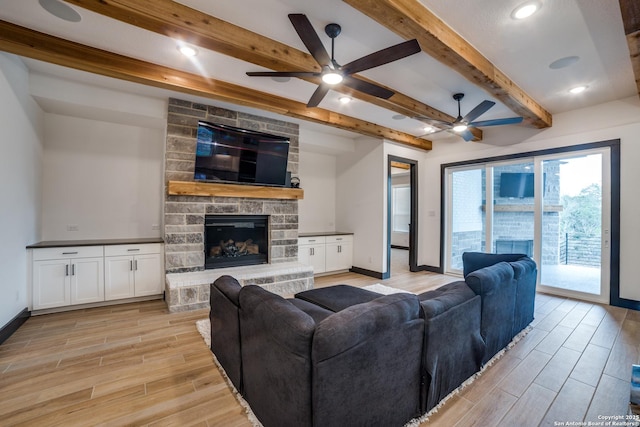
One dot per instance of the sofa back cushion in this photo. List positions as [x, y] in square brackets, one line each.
[472, 261]
[367, 360]
[225, 327]
[276, 358]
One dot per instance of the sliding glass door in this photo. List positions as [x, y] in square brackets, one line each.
[575, 226]
[553, 208]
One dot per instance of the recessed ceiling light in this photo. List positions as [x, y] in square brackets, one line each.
[187, 51]
[344, 99]
[564, 62]
[578, 89]
[429, 129]
[60, 10]
[398, 117]
[525, 10]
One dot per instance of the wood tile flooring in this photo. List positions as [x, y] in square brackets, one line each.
[136, 364]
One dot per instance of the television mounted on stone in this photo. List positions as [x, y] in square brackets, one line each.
[234, 155]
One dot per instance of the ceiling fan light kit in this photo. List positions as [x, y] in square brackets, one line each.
[334, 74]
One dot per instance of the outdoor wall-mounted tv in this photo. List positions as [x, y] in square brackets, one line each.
[229, 154]
[516, 184]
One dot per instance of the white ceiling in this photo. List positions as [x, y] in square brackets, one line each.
[523, 50]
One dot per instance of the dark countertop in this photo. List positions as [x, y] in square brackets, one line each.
[94, 242]
[324, 233]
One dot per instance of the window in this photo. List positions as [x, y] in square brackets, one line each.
[401, 208]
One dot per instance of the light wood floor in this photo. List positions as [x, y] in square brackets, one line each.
[136, 364]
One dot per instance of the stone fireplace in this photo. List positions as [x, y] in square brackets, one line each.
[184, 216]
[235, 240]
[190, 249]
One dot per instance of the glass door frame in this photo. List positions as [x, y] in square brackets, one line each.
[610, 267]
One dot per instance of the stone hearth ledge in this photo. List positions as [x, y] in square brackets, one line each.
[190, 291]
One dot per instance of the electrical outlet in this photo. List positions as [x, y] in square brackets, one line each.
[72, 227]
[155, 226]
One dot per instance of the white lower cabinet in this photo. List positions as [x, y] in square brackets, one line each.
[311, 251]
[326, 253]
[67, 276]
[339, 253]
[133, 271]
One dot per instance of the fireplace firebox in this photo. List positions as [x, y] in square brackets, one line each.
[236, 240]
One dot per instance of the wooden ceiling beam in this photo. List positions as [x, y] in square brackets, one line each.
[410, 19]
[630, 10]
[180, 22]
[32, 44]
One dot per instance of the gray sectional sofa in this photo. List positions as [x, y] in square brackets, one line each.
[343, 355]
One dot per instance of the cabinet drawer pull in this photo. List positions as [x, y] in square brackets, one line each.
[69, 253]
[312, 240]
[132, 250]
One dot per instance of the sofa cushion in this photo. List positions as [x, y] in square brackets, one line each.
[439, 300]
[367, 361]
[472, 261]
[316, 312]
[338, 297]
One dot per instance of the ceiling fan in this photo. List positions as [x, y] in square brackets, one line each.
[334, 74]
[461, 125]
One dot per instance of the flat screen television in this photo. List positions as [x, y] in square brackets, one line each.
[517, 185]
[229, 154]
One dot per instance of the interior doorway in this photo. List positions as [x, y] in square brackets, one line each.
[402, 200]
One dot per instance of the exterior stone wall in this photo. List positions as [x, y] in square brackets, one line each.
[184, 215]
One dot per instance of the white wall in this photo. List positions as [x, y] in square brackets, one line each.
[317, 211]
[361, 202]
[105, 178]
[21, 148]
[614, 120]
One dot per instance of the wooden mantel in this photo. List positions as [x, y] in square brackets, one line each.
[191, 188]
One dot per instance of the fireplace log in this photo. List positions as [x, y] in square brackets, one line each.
[234, 249]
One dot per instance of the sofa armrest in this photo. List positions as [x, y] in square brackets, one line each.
[225, 327]
[473, 261]
[276, 358]
[497, 289]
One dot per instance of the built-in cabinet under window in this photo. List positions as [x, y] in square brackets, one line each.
[326, 252]
[74, 275]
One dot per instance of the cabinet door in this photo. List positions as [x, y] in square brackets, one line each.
[118, 277]
[51, 284]
[312, 255]
[339, 256]
[87, 280]
[148, 274]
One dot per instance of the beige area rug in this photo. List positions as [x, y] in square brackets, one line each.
[204, 328]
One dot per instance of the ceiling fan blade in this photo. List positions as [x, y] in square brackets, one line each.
[318, 95]
[478, 111]
[310, 38]
[466, 135]
[382, 57]
[497, 122]
[282, 74]
[368, 88]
